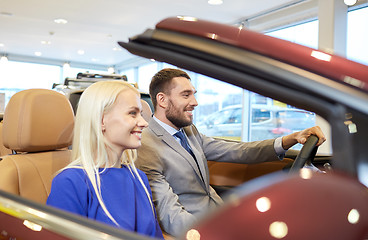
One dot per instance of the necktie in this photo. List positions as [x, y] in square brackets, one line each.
[184, 143]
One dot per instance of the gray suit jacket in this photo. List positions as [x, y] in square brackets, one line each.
[179, 193]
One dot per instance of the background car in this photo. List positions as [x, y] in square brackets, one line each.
[74, 87]
[265, 122]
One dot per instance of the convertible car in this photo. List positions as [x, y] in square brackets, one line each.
[298, 204]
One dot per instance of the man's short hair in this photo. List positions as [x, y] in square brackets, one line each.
[161, 82]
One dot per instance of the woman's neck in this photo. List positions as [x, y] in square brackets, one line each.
[115, 158]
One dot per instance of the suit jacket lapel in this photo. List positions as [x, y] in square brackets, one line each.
[201, 162]
[172, 143]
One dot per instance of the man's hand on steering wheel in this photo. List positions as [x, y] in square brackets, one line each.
[302, 136]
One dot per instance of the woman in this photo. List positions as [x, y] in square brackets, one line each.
[102, 182]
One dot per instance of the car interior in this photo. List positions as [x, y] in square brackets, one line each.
[223, 176]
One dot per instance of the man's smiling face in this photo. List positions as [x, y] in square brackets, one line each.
[181, 102]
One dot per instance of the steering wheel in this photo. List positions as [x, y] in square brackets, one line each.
[306, 154]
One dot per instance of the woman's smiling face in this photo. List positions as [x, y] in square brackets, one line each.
[123, 123]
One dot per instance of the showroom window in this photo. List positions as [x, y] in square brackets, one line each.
[219, 110]
[130, 74]
[17, 76]
[357, 37]
[305, 34]
[145, 73]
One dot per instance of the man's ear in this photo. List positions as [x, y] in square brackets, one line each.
[162, 100]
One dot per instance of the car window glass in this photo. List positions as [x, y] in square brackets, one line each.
[295, 119]
[260, 115]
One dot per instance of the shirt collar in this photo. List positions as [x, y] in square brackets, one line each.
[168, 128]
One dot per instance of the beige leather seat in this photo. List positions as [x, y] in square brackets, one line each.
[146, 110]
[3, 150]
[38, 125]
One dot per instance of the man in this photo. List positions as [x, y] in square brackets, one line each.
[178, 177]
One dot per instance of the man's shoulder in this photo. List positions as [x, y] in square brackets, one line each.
[191, 129]
[192, 133]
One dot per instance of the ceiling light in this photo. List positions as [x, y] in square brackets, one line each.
[116, 49]
[45, 42]
[66, 65]
[95, 60]
[350, 2]
[80, 52]
[38, 53]
[61, 21]
[2, 45]
[215, 2]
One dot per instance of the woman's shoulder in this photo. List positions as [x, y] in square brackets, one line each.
[71, 174]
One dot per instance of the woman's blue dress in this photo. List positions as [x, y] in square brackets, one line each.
[123, 195]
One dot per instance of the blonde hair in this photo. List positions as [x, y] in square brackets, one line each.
[90, 147]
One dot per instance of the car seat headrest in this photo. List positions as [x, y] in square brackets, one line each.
[38, 120]
[146, 110]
